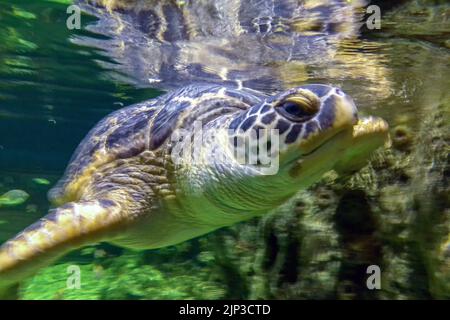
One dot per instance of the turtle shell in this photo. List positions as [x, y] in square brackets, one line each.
[128, 132]
[119, 135]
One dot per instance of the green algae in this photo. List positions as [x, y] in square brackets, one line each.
[41, 181]
[128, 276]
[20, 13]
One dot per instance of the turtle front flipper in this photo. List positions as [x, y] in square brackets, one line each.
[63, 229]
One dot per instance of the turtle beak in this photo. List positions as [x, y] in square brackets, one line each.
[339, 140]
[368, 134]
[346, 152]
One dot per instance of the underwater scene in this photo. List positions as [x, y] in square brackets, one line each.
[357, 207]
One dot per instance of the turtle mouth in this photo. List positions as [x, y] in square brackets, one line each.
[346, 151]
[365, 128]
[367, 135]
[370, 126]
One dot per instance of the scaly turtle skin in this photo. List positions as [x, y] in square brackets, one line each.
[166, 170]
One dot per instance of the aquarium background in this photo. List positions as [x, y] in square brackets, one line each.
[393, 213]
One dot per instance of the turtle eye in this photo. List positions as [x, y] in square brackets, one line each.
[299, 108]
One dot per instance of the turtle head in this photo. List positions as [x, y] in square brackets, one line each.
[306, 131]
[319, 129]
[280, 145]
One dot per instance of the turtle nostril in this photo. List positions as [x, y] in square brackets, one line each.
[339, 92]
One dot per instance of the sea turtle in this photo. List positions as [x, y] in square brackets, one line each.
[178, 166]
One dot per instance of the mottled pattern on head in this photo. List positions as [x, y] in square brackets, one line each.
[325, 105]
[270, 114]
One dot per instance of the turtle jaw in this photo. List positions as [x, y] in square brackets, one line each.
[370, 126]
[368, 134]
[345, 152]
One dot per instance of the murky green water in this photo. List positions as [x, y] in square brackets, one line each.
[53, 91]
